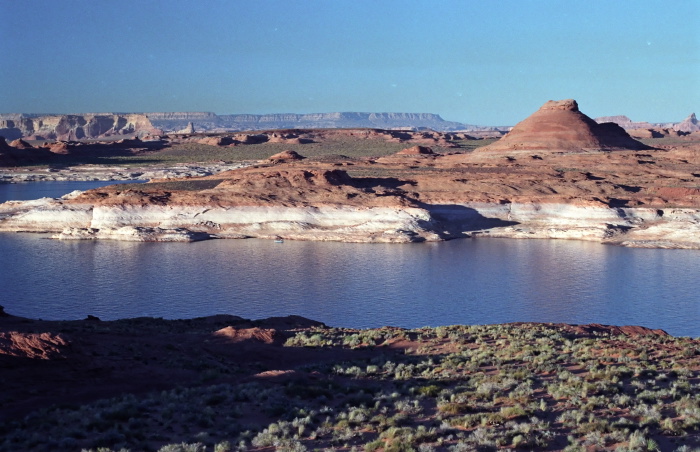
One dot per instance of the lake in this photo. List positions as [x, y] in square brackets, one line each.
[472, 281]
[53, 189]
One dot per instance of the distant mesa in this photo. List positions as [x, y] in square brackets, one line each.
[74, 127]
[689, 124]
[560, 126]
[625, 122]
[207, 121]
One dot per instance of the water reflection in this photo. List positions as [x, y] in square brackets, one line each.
[361, 285]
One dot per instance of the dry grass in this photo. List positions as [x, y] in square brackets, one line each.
[494, 387]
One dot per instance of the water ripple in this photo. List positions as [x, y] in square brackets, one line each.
[355, 285]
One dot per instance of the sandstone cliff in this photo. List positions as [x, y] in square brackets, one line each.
[75, 127]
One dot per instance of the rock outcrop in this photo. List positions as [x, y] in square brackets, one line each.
[216, 141]
[236, 335]
[20, 144]
[560, 126]
[286, 156]
[188, 130]
[19, 151]
[59, 147]
[44, 346]
[689, 124]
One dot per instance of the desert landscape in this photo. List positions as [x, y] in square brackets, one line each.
[227, 383]
[556, 174]
[349, 226]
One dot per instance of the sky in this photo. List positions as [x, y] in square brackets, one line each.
[477, 62]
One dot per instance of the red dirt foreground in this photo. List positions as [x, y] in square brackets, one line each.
[295, 384]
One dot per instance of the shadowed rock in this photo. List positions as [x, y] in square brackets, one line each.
[235, 335]
[416, 150]
[59, 147]
[33, 345]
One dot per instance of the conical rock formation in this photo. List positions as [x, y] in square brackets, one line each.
[560, 126]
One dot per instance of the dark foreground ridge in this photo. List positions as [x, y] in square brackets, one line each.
[228, 383]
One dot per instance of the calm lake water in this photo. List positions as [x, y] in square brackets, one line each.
[354, 285]
[35, 190]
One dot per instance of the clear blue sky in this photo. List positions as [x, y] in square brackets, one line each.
[479, 62]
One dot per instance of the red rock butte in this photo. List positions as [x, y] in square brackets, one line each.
[559, 126]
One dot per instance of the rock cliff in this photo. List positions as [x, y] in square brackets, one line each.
[75, 127]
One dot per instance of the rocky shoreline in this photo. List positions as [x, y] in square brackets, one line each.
[632, 227]
[114, 173]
